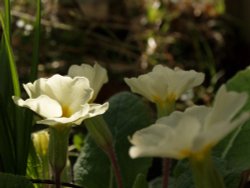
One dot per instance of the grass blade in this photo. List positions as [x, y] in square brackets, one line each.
[14, 74]
[37, 26]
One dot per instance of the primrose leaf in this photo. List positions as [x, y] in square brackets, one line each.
[127, 113]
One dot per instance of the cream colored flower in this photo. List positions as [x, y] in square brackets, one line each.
[191, 133]
[41, 142]
[61, 100]
[96, 75]
[164, 84]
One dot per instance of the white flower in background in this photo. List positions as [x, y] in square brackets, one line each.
[96, 75]
[163, 84]
[61, 100]
[191, 133]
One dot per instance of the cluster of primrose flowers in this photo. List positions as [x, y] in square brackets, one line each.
[66, 101]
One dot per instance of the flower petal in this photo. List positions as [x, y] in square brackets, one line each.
[42, 105]
[226, 105]
[171, 120]
[217, 132]
[147, 86]
[179, 80]
[197, 112]
[96, 75]
[98, 109]
[39, 87]
[163, 83]
[101, 77]
[75, 119]
[94, 110]
[161, 140]
[70, 93]
[152, 141]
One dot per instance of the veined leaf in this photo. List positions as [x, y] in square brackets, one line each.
[127, 113]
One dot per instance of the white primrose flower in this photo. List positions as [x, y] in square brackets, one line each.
[164, 84]
[96, 75]
[191, 133]
[61, 100]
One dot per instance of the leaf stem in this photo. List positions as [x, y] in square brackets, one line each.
[100, 132]
[112, 157]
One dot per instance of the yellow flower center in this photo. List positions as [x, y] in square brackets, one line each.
[66, 112]
[200, 155]
[185, 153]
[169, 99]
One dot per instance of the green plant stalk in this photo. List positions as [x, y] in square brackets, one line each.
[58, 149]
[22, 138]
[7, 17]
[37, 26]
[6, 129]
[205, 174]
[100, 132]
[113, 159]
[164, 109]
[18, 136]
[7, 154]
[102, 136]
[12, 64]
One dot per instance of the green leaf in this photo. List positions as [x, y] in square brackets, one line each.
[92, 168]
[127, 113]
[12, 64]
[140, 181]
[157, 183]
[15, 123]
[78, 141]
[235, 148]
[13, 181]
[37, 33]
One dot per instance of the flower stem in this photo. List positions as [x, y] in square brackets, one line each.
[205, 174]
[102, 136]
[57, 178]
[112, 157]
[58, 148]
[166, 162]
[164, 109]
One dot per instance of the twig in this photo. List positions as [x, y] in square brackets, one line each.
[45, 22]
